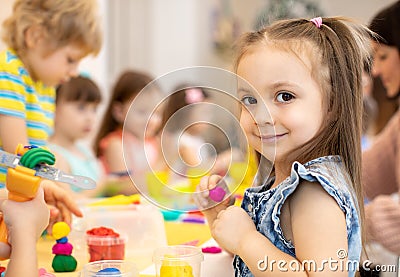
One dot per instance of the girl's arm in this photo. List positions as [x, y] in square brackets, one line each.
[23, 259]
[318, 227]
[318, 232]
[114, 157]
[23, 233]
[12, 131]
[111, 185]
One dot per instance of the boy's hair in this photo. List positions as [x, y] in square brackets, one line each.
[79, 89]
[337, 51]
[128, 86]
[64, 22]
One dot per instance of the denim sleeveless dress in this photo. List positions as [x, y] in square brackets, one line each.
[264, 205]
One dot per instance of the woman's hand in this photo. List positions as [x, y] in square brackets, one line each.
[383, 222]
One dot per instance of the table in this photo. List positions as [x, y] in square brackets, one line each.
[176, 233]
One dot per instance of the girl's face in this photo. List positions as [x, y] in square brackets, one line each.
[54, 68]
[142, 119]
[286, 109]
[76, 119]
[386, 65]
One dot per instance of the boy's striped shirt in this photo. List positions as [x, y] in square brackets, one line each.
[24, 98]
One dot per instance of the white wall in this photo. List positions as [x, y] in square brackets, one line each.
[5, 11]
[158, 36]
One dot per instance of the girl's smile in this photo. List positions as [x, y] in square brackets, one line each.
[272, 138]
[285, 108]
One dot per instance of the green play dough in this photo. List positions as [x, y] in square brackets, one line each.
[63, 263]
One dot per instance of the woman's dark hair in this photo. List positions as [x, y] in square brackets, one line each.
[386, 24]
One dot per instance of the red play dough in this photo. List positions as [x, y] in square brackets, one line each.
[105, 244]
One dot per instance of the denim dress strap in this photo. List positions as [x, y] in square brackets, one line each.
[264, 205]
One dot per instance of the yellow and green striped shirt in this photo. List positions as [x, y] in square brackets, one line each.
[24, 98]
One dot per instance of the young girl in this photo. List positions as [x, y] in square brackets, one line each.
[77, 102]
[190, 141]
[108, 143]
[46, 40]
[306, 118]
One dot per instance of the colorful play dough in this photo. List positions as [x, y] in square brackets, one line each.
[176, 269]
[110, 271]
[105, 244]
[217, 194]
[44, 273]
[211, 249]
[60, 229]
[62, 261]
[62, 249]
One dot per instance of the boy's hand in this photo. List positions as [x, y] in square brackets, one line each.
[202, 197]
[61, 201]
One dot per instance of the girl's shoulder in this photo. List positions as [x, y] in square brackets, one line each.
[329, 171]
[111, 138]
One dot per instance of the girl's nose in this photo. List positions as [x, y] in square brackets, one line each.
[263, 115]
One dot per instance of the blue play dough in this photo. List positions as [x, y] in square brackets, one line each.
[62, 240]
[108, 271]
[171, 215]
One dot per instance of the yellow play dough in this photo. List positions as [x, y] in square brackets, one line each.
[176, 269]
[60, 230]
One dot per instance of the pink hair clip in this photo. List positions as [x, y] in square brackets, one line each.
[193, 95]
[317, 21]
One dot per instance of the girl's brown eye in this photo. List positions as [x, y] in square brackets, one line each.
[284, 97]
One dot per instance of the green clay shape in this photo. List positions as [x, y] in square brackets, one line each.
[63, 263]
[36, 156]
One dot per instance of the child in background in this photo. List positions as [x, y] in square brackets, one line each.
[305, 118]
[23, 233]
[46, 40]
[188, 119]
[190, 141]
[108, 143]
[76, 110]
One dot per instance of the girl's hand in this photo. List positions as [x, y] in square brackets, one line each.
[202, 200]
[230, 228]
